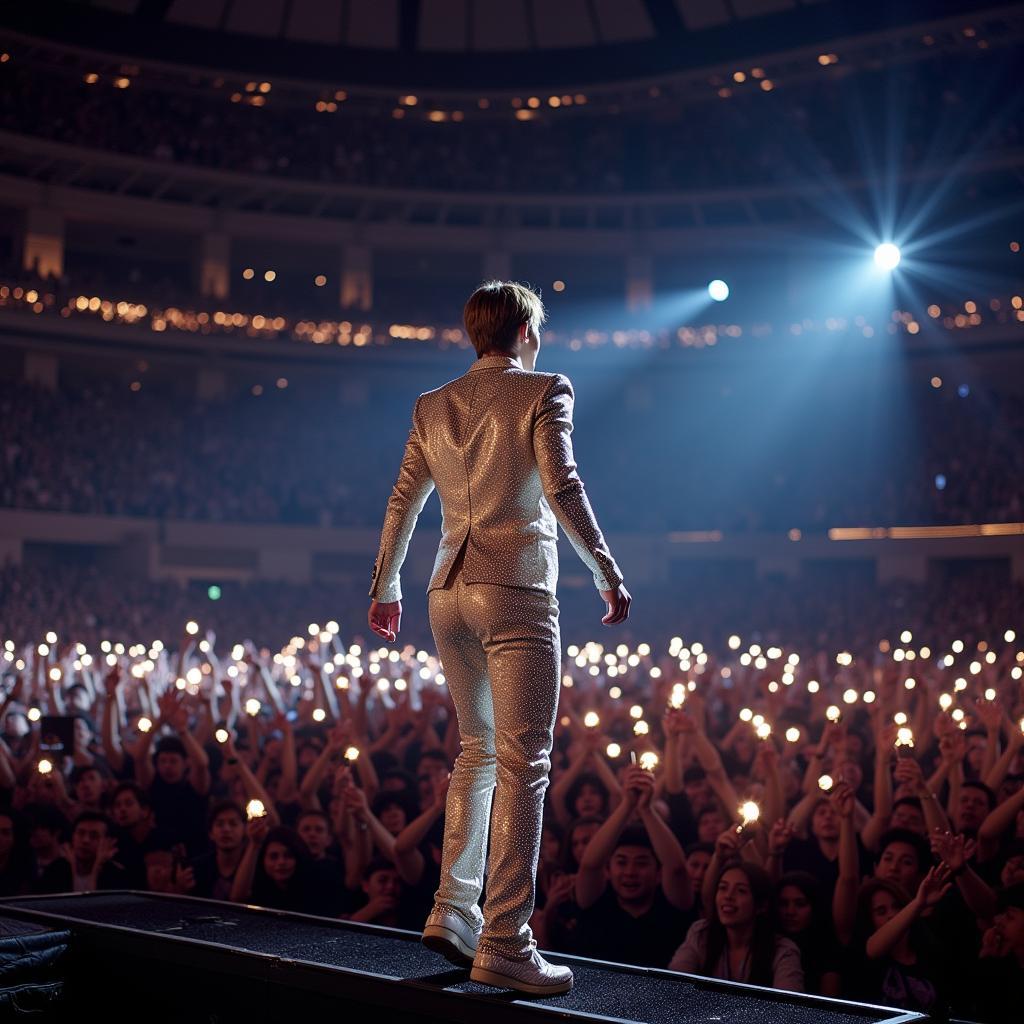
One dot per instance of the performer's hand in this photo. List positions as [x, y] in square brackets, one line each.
[618, 602]
[385, 618]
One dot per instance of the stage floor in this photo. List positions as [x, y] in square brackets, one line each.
[230, 946]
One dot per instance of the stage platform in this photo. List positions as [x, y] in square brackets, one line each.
[143, 956]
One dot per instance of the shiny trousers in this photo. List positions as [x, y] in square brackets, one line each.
[500, 652]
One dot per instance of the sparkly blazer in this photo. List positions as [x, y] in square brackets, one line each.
[495, 443]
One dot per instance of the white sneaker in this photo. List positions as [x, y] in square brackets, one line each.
[450, 935]
[533, 975]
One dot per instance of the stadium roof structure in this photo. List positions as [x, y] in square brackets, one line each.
[469, 44]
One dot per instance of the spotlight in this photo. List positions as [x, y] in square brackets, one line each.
[718, 290]
[887, 256]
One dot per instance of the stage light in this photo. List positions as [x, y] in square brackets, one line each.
[887, 256]
[718, 290]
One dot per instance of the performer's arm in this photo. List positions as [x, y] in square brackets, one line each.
[563, 487]
[408, 497]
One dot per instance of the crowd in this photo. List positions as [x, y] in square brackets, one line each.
[98, 447]
[97, 601]
[822, 821]
[750, 133]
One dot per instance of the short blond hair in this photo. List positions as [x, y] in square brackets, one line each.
[496, 311]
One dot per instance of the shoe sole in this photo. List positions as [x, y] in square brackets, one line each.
[443, 940]
[505, 981]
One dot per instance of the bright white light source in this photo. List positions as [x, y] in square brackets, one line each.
[749, 812]
[887, 256]
[718, 290]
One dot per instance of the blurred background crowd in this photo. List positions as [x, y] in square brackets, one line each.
[723, 141]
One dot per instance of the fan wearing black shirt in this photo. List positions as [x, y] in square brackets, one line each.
[177, 778]
[633, 887]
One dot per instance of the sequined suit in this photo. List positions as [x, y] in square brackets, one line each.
[496, 444]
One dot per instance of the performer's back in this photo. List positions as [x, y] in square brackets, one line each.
[496, 444]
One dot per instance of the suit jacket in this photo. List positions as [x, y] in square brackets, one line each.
[495, 442]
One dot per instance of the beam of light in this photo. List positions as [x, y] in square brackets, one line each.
[991, 113]
[887, 256]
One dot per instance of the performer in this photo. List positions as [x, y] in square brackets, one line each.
[495, 442]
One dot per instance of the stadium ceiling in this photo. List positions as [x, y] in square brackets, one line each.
[465, 44]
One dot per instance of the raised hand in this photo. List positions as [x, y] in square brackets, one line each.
[561, 890]
[989, 714]
[993, 944]
[842, 799]
[727, 845]
[934, 886]
[779, 837]
[908, 773]
[833, 734]
[183, 879]
[18, 688]
[342, 779]
[257, 829]
[339, 736]
[953, 747]
[441, 790]
[355, 801]
[169, 703]
[111, 681]
[107, 850]
[644, 786]
[377, 906]
[671, 721]
[766, 758]
[954, 850]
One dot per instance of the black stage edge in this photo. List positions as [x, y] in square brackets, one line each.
[159, 958]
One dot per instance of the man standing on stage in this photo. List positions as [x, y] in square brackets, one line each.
[496, 444]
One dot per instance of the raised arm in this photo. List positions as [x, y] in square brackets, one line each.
[997, 773]
[15, 693]
[561, 786]
[909, 771]
[198, 761]
[408, 859]
[563, 488]
[359, 806]
[241, 887]
[289, 761]
[675, 879]
[590, 880]
[932, 888]
[711, 761]
[879, 820]
[956, 852]
[408, 496]
[844, 896]
[111, 724]
[337, 738]
[251, 785]
[257, 670]
[999, 819]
